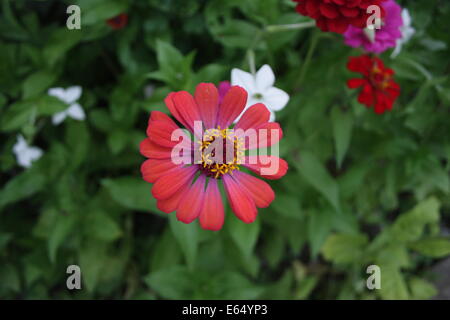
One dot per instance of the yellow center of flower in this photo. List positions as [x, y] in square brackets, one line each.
[380, 79]
[221, 152]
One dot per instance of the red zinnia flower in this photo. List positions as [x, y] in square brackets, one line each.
[192, 190]
[379, 89]
[337, 15]
[118, 22]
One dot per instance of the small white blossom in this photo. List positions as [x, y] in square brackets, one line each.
[69, 96]
[260, 89]
[407, 32]
[25, 154]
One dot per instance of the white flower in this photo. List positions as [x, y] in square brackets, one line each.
[69, 96]
[25, 154]
[260, 89]
[407, 32]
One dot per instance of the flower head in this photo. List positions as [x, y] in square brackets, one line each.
[379, 89]
[26, 154]
[337, 15]
[407, 32]
[378, 40]
[118, 22]
[260, 89]
[69, 96]
[188, 167]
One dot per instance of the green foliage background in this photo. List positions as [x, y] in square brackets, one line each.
[362, 188]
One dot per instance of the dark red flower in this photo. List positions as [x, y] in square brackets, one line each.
[337, 15]
[118, 22]
[379, 89]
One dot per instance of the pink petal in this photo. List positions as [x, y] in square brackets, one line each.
[171, 204]
[212, 214]
[169, 184]
[185, 108]
[192, 202]
[207, 99]
[240, 201]
[150, 149]
[161, 132]
[260, 191]
[268, 134]
[269, 167]
[152, 169]
[232, 106]
[253, 117]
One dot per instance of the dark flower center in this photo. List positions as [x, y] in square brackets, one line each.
[221, 152]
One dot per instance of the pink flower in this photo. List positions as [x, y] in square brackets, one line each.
[378, 40]
[192, 189]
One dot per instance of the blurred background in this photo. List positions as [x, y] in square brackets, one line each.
[361, 189]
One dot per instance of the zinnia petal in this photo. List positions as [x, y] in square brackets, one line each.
[260, 191]
[192, 202]
[232, 106]
[170, 183]
[152, 169]
[253, 117]
[150, 149]
[267, 166]
[240, 201]
[212, 214]
[207, 99]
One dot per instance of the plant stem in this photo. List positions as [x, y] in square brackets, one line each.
[307, 61]
[251, 61]
[293, 26]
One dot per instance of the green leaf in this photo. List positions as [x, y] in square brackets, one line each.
[22, 186]
[319, 226]
[102, 227]
[175, 69]
[9, 278]
[422, 289]
[315, 174]
[60, 230]
[48, 105]
[394, 255]
[342, 129]
[187, 237]
[101, 119]
[244, 235]
[432, 247]
[92, 258]
[166, 252]
[175, 282]
[100, 11]
[117, 140]
[409, 226]
[287, 205]
[305, 287]
[393, 286]
[344, 248]
[37, 83]
[61, 41]
[77, 141]
[17, 115]
[131, 192]
[20, 113]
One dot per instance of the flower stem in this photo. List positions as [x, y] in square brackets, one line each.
[293, 26]
[251, 61]
[312, 46]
